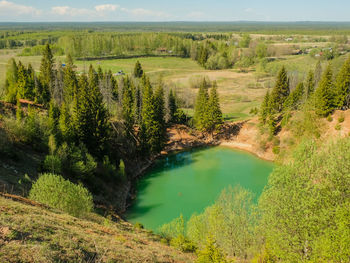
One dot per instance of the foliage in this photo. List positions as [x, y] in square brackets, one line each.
[211, 253]
[280, 92]
[138, 71]
[59, 193]
[229, 221]
[324, 94]
[207, 115]
[301, 201]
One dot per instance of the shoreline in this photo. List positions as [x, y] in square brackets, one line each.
[248, 148]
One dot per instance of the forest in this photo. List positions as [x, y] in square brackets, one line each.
[77, 136]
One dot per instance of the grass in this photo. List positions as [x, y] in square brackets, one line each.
[35, 234]
[238, 90]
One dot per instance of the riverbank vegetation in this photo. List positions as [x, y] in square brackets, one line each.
[86, 132]
[302, 215]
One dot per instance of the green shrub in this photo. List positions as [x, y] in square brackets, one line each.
[138, 225]
[341, 118]
[52, 163]
[337, 127]
[276, 150]
[55, 191]
[183, 244]
[330, 118]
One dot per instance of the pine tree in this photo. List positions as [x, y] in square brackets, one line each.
[215, 114]
[343, 86]
[280, 92]
[324, 94]
[138, 71]
[46, 76]
[310, 85]
[201, 107]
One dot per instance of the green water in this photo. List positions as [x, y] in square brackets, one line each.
[190, 181]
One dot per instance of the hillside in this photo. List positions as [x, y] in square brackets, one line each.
[249, 138]
[30, 232]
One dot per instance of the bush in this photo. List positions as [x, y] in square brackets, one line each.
[337, 127]
[183, 244]
[330, 118]
[138, 225]
[276, 150]
[55, 191]
[341, 118]
[53, 164]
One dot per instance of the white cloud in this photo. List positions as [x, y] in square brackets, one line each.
[141, 13]
[106, 7]
[70, 11]
[9, 8]
[249, 10]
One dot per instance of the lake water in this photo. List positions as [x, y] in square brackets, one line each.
[188, 182]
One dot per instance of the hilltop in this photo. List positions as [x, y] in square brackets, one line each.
[30, 232]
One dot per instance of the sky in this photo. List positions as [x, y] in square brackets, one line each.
[175, 10]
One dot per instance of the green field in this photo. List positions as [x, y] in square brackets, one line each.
[239, 91]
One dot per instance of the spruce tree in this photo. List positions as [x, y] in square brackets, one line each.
[70, 81]
[148, 116]
[318, 72]
[137, 106]
[153, 122]
[138, 71]
[53, 118]
[265, 110]
[280, 92]
[172, 106]
[295, 97]
[324, 94]
[127, 105]
[46, 76]
[11, 81]
[91, 120]
[215, 115]
[201, 107]
[21, 81]
[64, 123]
[343, 86]
[159, 118]
[310, 85]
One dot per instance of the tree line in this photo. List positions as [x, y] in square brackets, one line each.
[321, 90]
[93, 119]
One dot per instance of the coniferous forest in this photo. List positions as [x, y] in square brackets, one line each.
[95, 117]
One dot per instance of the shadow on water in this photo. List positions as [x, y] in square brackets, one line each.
[141, 210]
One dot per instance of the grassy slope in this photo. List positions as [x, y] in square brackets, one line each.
[35, 234]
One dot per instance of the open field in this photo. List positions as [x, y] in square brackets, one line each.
[240, 91]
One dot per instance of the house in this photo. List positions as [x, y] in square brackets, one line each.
[162, 50]
[119, 73]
